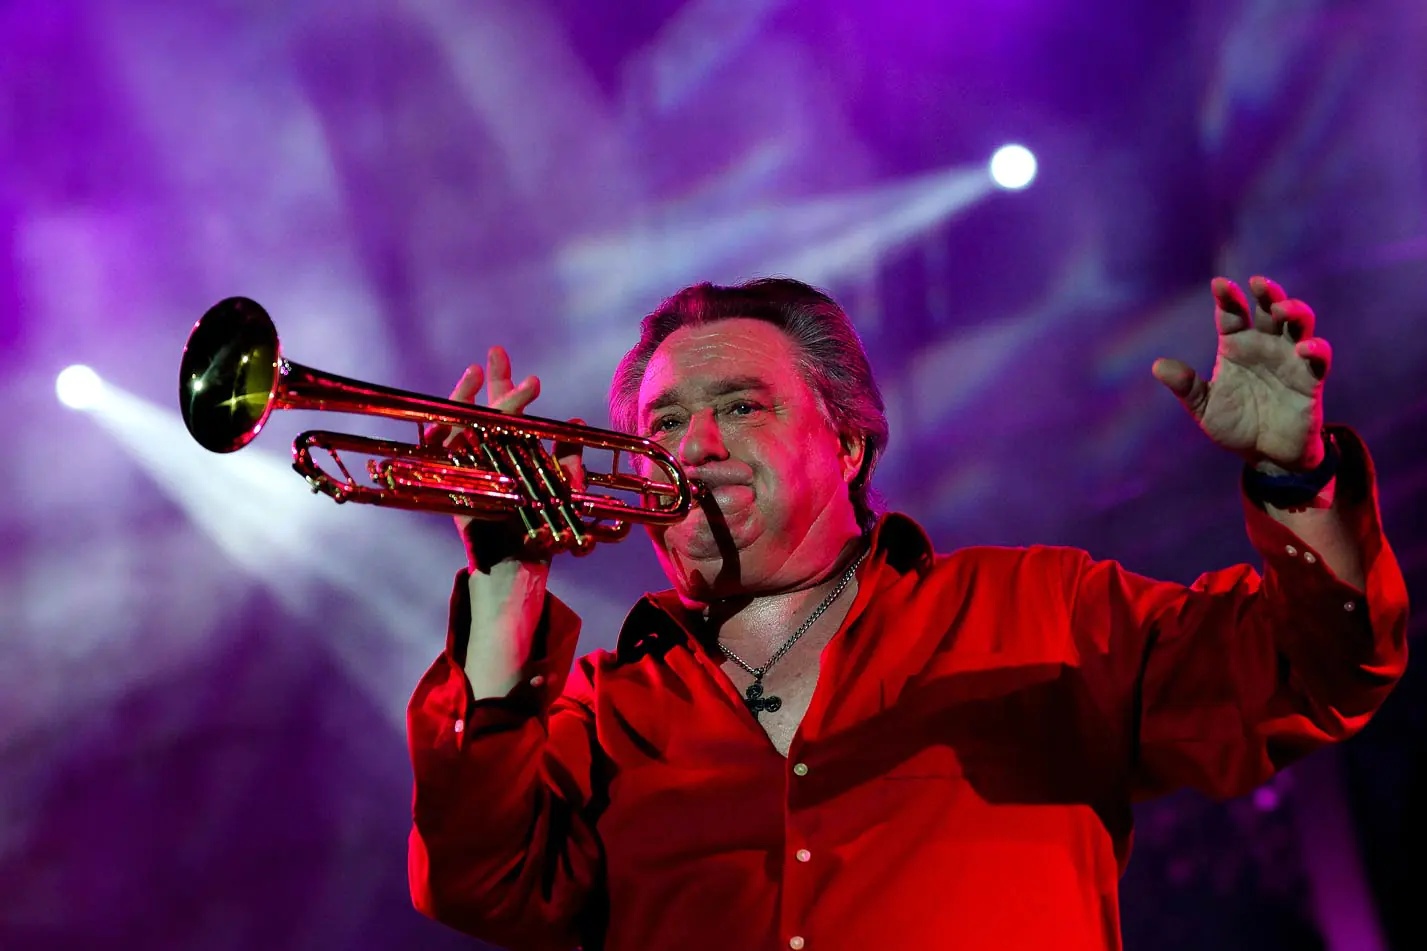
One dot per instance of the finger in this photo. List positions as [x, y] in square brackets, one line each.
[469, 384]
[1232, 312]
[497, 375]
[1266, 294]
[1183, 382]
[1295, 318]
[465, 392]
[462, 447]
[1319, 354]
[519, 397]
[571, 459]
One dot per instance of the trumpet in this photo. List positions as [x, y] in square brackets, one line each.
[233, 376]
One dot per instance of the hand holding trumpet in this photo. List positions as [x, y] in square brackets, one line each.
[489, 542]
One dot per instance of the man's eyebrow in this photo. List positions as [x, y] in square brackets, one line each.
[723, 387]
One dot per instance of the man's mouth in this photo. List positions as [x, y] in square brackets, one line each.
[718, 490]
[714, 476]
[730, 495]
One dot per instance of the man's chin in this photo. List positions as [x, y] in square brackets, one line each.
[701, 545]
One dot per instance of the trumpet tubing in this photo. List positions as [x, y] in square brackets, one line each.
[233, 376]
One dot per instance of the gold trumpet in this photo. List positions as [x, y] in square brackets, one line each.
[234, 375]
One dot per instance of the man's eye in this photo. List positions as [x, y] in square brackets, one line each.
[664, 424]
[744, 408]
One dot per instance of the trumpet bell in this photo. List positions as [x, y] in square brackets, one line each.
[228, 378]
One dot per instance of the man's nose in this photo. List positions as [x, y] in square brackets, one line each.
[702, 442]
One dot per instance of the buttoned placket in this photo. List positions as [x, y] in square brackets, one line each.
[798, 856]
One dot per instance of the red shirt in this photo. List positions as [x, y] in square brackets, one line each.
[963, 778]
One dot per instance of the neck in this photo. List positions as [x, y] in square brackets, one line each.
[763, 617]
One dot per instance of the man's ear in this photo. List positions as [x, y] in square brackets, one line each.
[854, 452]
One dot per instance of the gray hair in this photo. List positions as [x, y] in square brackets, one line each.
[832, 362]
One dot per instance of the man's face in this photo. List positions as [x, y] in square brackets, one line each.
[728, 401]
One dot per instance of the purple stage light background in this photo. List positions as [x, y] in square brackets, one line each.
[203, 669]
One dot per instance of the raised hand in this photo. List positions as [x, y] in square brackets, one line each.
[1265, 399]
[502, 394]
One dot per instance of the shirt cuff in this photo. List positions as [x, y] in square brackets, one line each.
[1301, 569]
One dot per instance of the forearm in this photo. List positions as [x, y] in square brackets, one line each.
[501, 760]
[1333, 597]
[506, 605]
[499, 847]
[484, 825]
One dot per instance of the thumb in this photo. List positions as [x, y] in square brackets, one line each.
[1183, 382]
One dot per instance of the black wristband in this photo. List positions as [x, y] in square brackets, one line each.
[1294, 489]
[489, 541]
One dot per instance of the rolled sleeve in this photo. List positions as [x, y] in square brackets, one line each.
[1346, 646]
[1242, 673]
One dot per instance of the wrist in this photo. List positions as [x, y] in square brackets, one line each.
[495, 542]
[1270, 484]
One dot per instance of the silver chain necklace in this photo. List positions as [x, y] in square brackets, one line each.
[753, 697]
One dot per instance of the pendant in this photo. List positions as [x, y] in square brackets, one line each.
[756, 703]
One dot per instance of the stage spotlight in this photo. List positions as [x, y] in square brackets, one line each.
[1013, 167]
[79, 387]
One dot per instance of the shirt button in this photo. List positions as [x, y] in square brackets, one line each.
[801, 769]
[459, 726]
[1350, 606]
[1309, 557]
[804, 855]
[1292, 552]
[796, 942]
[537, 681]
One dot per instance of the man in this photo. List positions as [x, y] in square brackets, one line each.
[826, 736]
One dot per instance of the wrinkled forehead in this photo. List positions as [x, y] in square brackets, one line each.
[706, 360]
